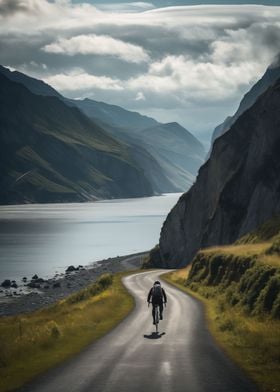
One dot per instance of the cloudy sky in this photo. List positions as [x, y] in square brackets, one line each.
[173, 60]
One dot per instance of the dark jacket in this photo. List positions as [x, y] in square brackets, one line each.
[153, 299]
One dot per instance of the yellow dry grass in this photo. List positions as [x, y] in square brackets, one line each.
[253, 343]
[247, 250]
[31, 343]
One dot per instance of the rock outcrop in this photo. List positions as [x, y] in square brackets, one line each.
[236, 190]
[271, 75]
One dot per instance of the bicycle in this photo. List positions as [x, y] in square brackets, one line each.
[157, 315]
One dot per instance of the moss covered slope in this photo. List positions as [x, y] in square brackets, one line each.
[240, 286]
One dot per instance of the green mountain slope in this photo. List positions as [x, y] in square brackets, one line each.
[52, 152]
[240, 287]
[169, 155]
[176, 152]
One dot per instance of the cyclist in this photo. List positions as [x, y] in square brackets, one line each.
[157, 296]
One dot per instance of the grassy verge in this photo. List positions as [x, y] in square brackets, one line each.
[32, 343]
[253, 342]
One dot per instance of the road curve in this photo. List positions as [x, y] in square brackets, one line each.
[183, 357]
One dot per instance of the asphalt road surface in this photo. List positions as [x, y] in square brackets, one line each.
[182, 357]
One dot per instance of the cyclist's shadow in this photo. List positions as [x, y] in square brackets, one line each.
[154, 335]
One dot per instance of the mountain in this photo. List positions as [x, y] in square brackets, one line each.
[176, 144]
[36, 86]
[51, 152]
[114, 115]
[236, 190]
[169, 155]
[98, 111]
[176, 150]
[271, 75]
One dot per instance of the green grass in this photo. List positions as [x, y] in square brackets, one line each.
[251, 341]
[264, 233]
[33, 342]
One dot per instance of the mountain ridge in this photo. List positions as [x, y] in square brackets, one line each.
[167, 169]
[52, 152]
[268, 79]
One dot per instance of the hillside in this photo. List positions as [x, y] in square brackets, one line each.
[98, 111]
[177, 145]
[36, 86]
[240, 287]
[114, 115]
[236, 190]
[169, 155]
[51, 152]
[176, 150]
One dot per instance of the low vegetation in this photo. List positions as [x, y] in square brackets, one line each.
[33, 342]
[240, 287]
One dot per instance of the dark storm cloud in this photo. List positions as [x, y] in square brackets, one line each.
[8, 7]
[192, 64]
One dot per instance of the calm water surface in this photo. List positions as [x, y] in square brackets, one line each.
[46, 238]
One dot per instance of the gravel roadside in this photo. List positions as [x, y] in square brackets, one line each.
[26, 299]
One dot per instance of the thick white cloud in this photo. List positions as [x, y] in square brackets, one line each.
[99, 45]
[126, 7]
[195, 81]
[180, 77]
[201, 58]
[78, 80]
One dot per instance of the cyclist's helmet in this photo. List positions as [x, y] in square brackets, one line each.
[157, 282]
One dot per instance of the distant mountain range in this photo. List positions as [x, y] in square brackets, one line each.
[57, 149]
[52, 152]
[236, 190]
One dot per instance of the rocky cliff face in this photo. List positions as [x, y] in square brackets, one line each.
[271, 75]
[236, 190]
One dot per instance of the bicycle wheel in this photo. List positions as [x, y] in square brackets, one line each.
[157, 317]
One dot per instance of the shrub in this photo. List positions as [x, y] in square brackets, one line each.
[54, 329]
[100, 285]
[105, 280]
[275, 247]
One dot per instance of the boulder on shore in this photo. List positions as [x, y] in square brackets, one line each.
[71, 268]
[34, 285]
[6, 283]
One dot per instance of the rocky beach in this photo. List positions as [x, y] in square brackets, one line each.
[27, 296]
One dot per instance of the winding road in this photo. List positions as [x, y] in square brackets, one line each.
[182, 357]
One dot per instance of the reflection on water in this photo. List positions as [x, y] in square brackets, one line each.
[46, 238]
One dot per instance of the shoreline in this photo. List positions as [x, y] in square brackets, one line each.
[51, 290]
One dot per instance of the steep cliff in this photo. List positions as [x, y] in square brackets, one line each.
[271, 75]
[236, 190]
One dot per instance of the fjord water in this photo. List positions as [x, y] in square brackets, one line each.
[46, 238]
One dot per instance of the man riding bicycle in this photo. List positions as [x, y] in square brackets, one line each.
[157, 296]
